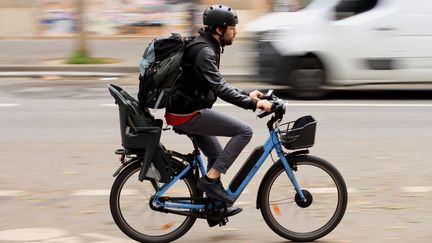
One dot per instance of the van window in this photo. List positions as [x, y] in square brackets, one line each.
[348, 8]
[289, 5]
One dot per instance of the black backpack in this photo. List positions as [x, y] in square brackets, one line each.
[160, 67]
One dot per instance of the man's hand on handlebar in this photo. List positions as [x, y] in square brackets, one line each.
[269, 104]
[264, 105]
[255, 95]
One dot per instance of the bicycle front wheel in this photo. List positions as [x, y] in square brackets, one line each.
[130, 208]
[297, 220]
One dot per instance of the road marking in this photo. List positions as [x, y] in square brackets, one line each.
[344, 105]
[327, 105]
[341, 105]
[9, 105]
[90, 193]
[54, 235]
[106, 192]
[244, 203]
[357, 105]
[318, 190]
[108, 78]
[328, 190]
[31, 234]
[222, 104]
[11, 193]
[418, 189]
[105, 238]
[102, 192]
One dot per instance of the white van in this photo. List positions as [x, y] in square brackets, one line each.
[348, 42]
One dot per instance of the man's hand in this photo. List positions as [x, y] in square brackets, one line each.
[264, 105]
[255, 95]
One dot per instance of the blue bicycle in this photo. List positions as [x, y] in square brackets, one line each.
[301, 197]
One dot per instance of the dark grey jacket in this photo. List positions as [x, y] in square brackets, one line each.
[201, 82]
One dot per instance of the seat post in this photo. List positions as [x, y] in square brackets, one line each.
[193, 139]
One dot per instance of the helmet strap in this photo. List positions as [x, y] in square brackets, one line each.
[222, 39]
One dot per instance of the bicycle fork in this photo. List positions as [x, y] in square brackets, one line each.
[287, 166]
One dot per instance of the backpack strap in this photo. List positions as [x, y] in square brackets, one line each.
[192, 51]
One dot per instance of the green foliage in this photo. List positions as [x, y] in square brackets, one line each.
[80, 57]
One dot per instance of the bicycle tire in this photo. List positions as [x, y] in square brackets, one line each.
[274, 215]
[118, 213]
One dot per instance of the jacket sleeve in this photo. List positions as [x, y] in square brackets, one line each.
[206, 68]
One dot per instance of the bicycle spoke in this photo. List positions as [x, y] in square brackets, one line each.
[282, 201]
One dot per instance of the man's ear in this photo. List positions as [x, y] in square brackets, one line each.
[219, 30]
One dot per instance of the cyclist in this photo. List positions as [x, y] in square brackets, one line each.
[195, 92]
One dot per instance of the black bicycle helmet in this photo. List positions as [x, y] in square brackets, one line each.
[219, 15]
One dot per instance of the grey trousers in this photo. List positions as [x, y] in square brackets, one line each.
[209, 124]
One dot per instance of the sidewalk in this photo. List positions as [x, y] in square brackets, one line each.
[35, 58]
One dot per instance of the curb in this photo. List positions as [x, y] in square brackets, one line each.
[69, 68]
[93, 71]
[38, 74]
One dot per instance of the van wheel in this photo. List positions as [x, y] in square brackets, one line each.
[307, 79]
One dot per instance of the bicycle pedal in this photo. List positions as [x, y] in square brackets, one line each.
[220, 222]
[223, 222]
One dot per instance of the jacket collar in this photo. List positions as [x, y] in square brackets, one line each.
[210, 39]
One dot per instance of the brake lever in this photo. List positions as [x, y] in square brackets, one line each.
[268, 96]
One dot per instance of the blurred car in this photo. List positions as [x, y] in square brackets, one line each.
[345, 43]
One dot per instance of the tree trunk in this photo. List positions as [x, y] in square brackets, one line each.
[82, 46]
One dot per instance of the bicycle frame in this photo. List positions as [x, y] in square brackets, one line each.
[272, 142]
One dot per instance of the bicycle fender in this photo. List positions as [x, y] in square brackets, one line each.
[124, 166]
[296, 153]
[275, 166]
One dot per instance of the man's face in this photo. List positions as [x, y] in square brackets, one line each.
[230, 34]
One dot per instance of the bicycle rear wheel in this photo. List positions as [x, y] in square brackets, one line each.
[293, 219]
[129, 203]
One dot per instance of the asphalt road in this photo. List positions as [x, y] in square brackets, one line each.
[57, 140]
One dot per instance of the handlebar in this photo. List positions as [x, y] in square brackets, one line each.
[278, 109]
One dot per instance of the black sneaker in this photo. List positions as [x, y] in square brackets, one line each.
[214, 189]
[231, 211]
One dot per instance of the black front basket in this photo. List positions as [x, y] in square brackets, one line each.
[299, 134]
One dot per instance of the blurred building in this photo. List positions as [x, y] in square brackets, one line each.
[38, 18]
[18, 17]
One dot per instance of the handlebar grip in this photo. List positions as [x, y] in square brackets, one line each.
[263, 114]
[278, 105]
[273, 108]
